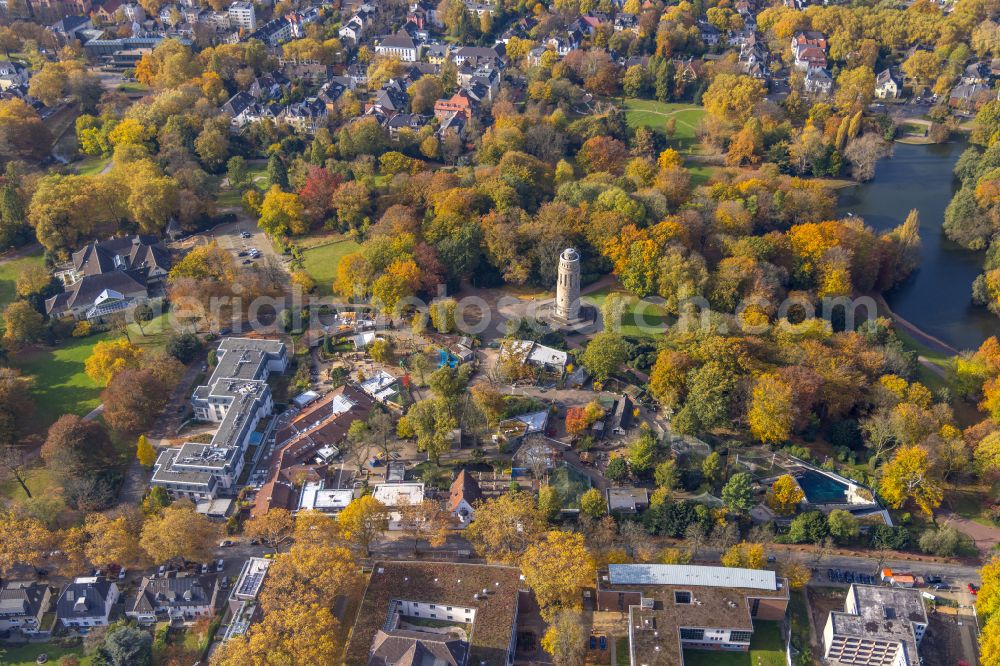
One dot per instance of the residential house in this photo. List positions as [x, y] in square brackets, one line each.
[878, 626]
[400, 45]
[242, 15]
[316, 496]
[306, 445]
[243, 607]
[480, 54]
[105, 13]
[709, 33]
[85, 603]
[70, 27]
[621, 416]
[110, 276]
[174, 598]
[269, 87]
[886, 85]
[462, 497]
[818, 82]
[625, 22]
[627, 500]
[459, 103]
[353, 30]
[977, 72]
[677, 607]
[306, 116]
[402, 599]
[809, 38]
[404, 121]
[22, 605]
[538, 355]
[809, 50]
[133, 12]
[397, 496]
[969, 96]
[237, 396]
[311, 72]
[810, 57]
[12, 75]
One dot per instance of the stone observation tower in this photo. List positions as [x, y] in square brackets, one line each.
[568, 286]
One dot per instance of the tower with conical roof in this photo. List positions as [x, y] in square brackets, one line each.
[568, 286]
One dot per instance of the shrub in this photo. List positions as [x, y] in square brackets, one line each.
[82, 329]
[184, 347]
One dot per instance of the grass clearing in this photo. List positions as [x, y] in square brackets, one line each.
[766, 649]
[27, 654]
[701, 173]
[321, 263]
[153, 335]
[91, 165]
[654, 114]
[61, 385]
[9, 270]
[642, 319]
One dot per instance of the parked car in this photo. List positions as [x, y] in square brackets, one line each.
[220, 565]
[226, 544]
[204, 568]
[245, 234]
[121, 574]
[973, 588]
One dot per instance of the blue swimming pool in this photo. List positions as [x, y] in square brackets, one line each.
[821, 489]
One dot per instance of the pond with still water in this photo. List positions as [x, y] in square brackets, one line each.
[938, 297]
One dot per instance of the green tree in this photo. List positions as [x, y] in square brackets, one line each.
[592, 503]
[711, 468]
[810, 527]
[277, 173]
[843, 525]
[642, 452]
[738, 492]
[604, 354]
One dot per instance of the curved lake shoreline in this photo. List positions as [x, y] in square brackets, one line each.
[937, 299]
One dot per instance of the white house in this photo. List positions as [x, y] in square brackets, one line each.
[175, 598]
[886, 85]
[400, 45]
[22, 605]
[86, 602]
[395, 495]
[462, 498]
[243, 16]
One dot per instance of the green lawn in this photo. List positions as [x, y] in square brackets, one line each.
[91, 166]
[153, 335]
[701, 173]
[9, 270]
[653, 114]
[25, 656]
[61, 386]
[321, 263]
[654, 317]
[766, 649]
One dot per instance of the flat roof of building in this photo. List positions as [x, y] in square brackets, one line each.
[689, 574]
[399, 494]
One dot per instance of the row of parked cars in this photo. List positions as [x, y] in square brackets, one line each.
[840, 576]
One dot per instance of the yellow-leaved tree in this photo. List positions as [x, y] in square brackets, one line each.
[988, 608]
[362, 521]
[145, 452]
[745, 556]
[557, 569]
[296, 634]
[908, 476]
[772, 409]
[784, 495]
[505, 526]
[111, 357]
